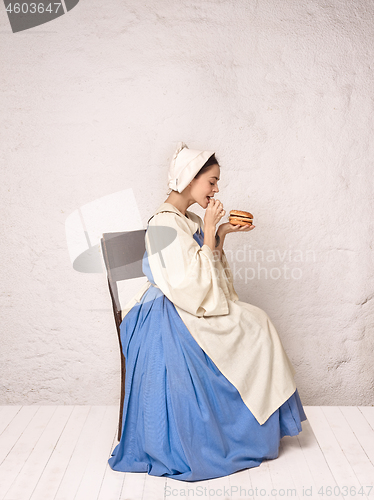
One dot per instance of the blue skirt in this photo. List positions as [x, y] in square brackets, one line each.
[182, 418]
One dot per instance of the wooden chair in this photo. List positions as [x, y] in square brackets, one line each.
[123, 253]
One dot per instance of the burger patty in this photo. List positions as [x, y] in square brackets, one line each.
[236, 217]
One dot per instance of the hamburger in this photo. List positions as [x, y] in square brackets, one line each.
[240, 218]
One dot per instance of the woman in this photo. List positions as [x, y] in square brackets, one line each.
[209, 388]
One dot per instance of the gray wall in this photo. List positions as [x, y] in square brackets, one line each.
[96, 101]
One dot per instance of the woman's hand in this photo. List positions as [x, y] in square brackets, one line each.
[213, 213]
[227, 227]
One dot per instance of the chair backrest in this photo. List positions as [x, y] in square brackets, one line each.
[123, 254]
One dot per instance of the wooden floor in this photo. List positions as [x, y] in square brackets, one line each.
[61, 453]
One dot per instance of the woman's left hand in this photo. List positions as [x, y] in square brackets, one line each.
[227, 227]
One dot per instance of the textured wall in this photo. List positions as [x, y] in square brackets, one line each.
[96, 101]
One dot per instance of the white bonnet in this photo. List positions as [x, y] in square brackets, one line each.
[184, 165]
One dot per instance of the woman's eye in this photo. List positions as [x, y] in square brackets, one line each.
[212, 183]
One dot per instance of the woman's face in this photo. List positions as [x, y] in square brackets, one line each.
[205, 186]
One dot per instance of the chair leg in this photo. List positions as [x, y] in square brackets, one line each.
[123, 376]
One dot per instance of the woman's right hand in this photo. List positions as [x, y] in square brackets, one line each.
[213, 213]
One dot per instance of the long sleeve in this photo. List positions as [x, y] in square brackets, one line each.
[224, 271]
[184, 271]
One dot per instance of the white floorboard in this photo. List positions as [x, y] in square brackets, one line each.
[337, 461]
[28, 477]
[20, 449]
[133, 486]
[77, 465]
[112, 484]
[7, 414]
[14, 428]
[61, 453]
[55, 469]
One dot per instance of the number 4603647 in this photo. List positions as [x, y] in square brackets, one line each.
[33, 8]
